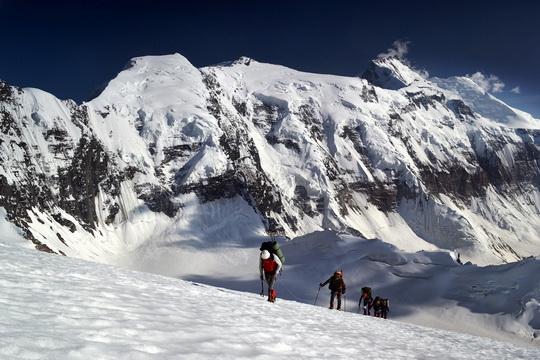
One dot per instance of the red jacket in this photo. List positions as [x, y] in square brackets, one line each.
[270, 265]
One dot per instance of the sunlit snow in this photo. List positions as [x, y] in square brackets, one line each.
[62, 308]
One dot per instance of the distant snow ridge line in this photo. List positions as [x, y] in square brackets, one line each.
[418, 163]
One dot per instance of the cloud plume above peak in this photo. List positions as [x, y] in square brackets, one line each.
[489, 83]
[399, 49]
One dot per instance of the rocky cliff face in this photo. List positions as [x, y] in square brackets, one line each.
[416, 162]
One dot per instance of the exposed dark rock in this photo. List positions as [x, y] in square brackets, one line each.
[288, 143]
[64, 222]
[303, 201]
[384, 196]
[421, 100]
[61, 239]
[159, 199]
[224, 186]
[369, 94]
[307, 115]
[79, 116]
[179, 151]
[461, 110]
[81, 181]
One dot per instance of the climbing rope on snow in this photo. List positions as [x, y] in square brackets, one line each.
[290, 292]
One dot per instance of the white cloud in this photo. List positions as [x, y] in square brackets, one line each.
[423, 73]
[399, 49]
[516, 90]
[488, 83]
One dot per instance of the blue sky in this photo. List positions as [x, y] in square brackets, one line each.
[69, 48]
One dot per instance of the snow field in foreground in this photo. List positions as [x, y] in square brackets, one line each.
[57, 307]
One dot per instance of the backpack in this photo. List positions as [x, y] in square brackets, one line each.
[273, 248]
[366, 290]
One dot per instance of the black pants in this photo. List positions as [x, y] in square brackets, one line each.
[367, 309]
[333, 295]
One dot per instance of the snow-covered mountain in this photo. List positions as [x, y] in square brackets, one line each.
[418, 163]
[181, 171]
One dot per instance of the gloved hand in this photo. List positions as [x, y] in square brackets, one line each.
[320, 285]
[343, 292]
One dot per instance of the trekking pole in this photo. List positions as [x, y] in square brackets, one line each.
[262, 289]
[317, 296]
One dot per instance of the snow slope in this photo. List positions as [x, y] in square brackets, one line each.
[55, 307]
[428, 288]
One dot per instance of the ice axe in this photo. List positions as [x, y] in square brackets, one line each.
[317, 295]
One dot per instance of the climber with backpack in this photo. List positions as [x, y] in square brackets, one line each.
[367, 299]
[337, 288]
[269, 266]
[385, 309]
[377, 306]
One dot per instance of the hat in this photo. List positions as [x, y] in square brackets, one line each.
[265, 254]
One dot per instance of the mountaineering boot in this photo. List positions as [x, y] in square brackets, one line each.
[272, 295]
[331, 306]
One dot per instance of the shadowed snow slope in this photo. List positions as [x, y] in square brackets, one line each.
[62, 308]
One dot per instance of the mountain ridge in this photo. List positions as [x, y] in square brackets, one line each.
[305, 152]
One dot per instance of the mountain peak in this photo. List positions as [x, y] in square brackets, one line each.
[243, 60]
[391, 73]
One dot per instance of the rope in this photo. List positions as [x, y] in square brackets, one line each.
[296, 297]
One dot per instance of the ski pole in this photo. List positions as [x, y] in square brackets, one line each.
[317, 296]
